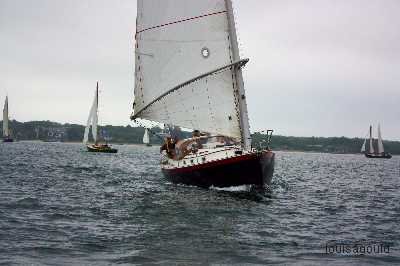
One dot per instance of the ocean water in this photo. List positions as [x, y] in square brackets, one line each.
[60, 205]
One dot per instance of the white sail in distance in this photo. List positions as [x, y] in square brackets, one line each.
[371, 144]
[187, 68]
[380, 143]
[92, 119]
[146, 138]
[363, 146]
[6, 130]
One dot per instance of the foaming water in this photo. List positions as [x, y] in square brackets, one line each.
[61, 205]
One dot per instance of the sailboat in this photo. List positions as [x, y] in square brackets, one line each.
[188, 73]
[371, 151]
[146, 138]
[92, 121]
[6, 130]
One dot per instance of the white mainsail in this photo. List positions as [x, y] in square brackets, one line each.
[371, 144]
[93, 118]
[146, 138]
[363, 146]
[380, 144]
[188, 67]
[6, 130]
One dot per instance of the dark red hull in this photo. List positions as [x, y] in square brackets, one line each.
[251, 169]
[8, 140]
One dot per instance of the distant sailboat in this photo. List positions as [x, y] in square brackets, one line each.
[371, 151]
[146, 138]
[92, 121]
[363, 146]
[6, 130]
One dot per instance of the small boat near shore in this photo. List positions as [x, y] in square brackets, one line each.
[380, 154]
[101, 148]
[6, 129]
[146, 138]
[92, 122]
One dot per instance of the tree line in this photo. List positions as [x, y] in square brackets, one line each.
[45, 130]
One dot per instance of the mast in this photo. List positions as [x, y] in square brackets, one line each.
[243, 114]
[96, 114]
[97, 96]
[371, 145]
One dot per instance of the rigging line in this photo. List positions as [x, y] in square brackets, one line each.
[239, 64]
[180, 21]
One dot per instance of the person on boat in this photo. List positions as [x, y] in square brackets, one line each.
[169, 147]
[189, 146]
[201, 138]
[196, 134]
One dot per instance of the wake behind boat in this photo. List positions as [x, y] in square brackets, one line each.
[188, 74]
[380, 154]
[93, 121]
[6, 130]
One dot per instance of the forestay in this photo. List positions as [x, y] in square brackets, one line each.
[185, 71]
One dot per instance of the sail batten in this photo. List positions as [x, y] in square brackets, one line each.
[180, 21]
[185, 72]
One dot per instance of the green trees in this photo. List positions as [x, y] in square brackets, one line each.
[39, 130]
[319, 144]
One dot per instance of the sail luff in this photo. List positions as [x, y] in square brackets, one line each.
[6, 130]
[380, 143]
[371, 144]
[241, 97]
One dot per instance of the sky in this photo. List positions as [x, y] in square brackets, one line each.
[317, 67]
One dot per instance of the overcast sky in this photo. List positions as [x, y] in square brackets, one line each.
[317, 67]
